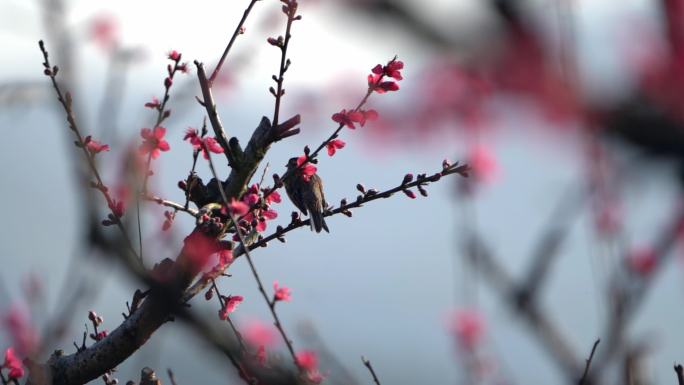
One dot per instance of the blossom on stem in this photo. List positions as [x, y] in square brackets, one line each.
[307, 170]
[334, 145]
[229, 305]
[347, 118]
[282, 293]
[237, 207]
[154, 141]
[94, 146]
[174, 55]
[202, 144]
[468, 327]
[13, 363]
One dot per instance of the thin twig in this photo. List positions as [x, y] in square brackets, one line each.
[252, 267]
[65, 101]
[680, 373]
[172, 378]
[343, 209]
[230, 321]
[284, 62]
[370, 368]
[238, 31]
[583, 380]
[171, 204]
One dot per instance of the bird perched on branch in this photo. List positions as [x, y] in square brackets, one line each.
[305, 190]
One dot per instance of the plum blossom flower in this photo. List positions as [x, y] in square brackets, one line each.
[307, 360]
[347, 118]
[154, 141]
[366, 115]
[174, 55]
[392, 69]
[334, 145]
[282, 293]
[257, 333]
[104, 31]
[260, 355]
[229, 305]
[198, 247]
[273, 197]
[468, 326]
[25, 338]
[308, 170]
[237, 207]
[94, 146]
[202, 144]
[118, 207]
[13, 363]
[483, 163]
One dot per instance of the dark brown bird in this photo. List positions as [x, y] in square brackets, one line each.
[307, 195]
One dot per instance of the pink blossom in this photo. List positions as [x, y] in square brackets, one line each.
[238, 208]
[273, 197]
[202, 144]
[307, 360]
[229, 305]
[365, 115]
[257, 333]
[25, 337]
[118, 208]
[104, 30]
[483, 163]
[307, 170]
[392, 69]
[314, 376]
[270, 214]
[334, 145]
[281, 293]
[154, 141]
[347, 118]
[260, 355]
[225, 257]
[376, 84]
[13, 363]
[469, 327]
[198, 247]
[174, 55]
[94, 146]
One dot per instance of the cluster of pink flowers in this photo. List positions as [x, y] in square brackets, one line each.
[376, 80]
[13, 364]
[198, 247]
[307, 361]
[202, 144]
[261, 212]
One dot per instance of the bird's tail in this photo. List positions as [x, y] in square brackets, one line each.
[318, 222]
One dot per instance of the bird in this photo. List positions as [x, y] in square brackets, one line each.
[306, 193]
